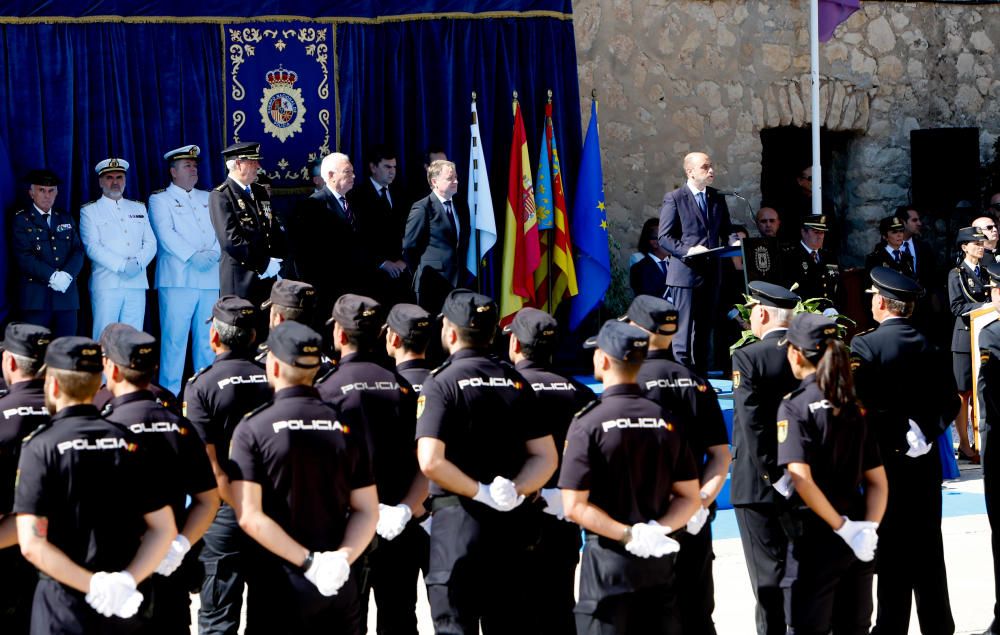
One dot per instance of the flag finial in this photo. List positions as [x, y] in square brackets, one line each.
[473, 95]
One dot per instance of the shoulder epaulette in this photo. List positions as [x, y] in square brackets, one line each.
[198, 374]
[220, 187]
[326, 375]
[4, 392]
[445, 364]
[793, 393]
[159, 191]
[108, 409]
[262, 406]
[19, 212]
[41, 428]
[871, 330]
[90, 203]
[590, 406]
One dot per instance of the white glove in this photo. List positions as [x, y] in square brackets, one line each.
[485, 496]
[132, 268]
[272, 270]
[204, 259]
[392, 520]
[860, 536]
[66, 280]
[651, 540]
[698, 520]
[918, 442]
[329, 571]
[831, 313]
[697, 249]
[785, 485]
[175, 556]
[553, 502]
[504, 492]
[114, 594]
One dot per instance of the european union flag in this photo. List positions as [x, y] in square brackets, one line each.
[590, 229]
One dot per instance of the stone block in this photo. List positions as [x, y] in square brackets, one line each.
[880, 35]
[776, 57]
[981, 42]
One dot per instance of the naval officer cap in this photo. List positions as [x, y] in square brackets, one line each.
[129, 347]
[74, 353]
[533, 327]
[654, 314]
[184, 152]
[245, 151]
[620, 340]
[809, 333]
[234, 311]
[44, 177]
[770, 294]
[296, 344]
[111, 165]
[969, 235]
[470, 310]
[409, 321]
[292, 294]
[817, 222]
[26, 340]
[891, 284]
[356, 313]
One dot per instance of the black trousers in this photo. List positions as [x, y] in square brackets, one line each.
[224, 556]
[910, 560]
[17, 589]
[61, 323]
[695, 320]
[765, 546]
[59, 610]
[649, 611]
[281, 600]
[393, 568]
[991, 485]
[169, 598]
[553, 577]
[696, 587]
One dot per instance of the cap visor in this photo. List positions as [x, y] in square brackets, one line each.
[266, 303]
[507, 330]
[590, 342]
[872, 289]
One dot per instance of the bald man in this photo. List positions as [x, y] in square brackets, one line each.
[693, 219]
[768, 222]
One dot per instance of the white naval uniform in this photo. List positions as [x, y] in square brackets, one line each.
[182, 225]
[112, 232]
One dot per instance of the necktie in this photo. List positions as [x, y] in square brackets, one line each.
[906, 251]
[248, 191]
[977, 271]
[663, 266]
[48, 219]
[383, 194]
[895, 255]
[451, 215]
[815, 255]
[347, 210]
[700, 197]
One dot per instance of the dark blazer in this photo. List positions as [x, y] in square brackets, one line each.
[814, 279]
[965, 293]
[249, 234]
[382, 223]
[432, 249]
[682, 226]
[879, 257]
[38, 252]
[646, 278]
[761, 378]
[926, 265]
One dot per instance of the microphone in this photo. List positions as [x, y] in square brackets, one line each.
[752, 225]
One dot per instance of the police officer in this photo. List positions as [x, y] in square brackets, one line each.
[92, 513]
[989, 389]
[889, 251]
[130, 358]
[761, 377]
[408, 330]
[693, 402]
[304, 489]
[386, 404]
[484, 447]
[532, 343]
[249, 233]
[162, 396]
[966, 292]
[215, 400]
[48, 257]
[292, 300]
[892, 360]
[814, 268]
[187, 266]
[829, 451]
[119, 241]
[21, 411]
[627, 478]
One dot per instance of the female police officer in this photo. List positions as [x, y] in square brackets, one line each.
[825, 444]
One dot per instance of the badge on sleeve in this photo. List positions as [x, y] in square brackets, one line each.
[736, 379]
[420, 405]
[782, 430]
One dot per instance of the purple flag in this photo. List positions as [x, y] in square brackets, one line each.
[832, 13]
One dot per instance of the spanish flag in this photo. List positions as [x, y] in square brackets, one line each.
[520, 236]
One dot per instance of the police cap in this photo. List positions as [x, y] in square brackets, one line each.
[356, 313]
[245, 151]
[470, 310]
[891, 284]
[292, 294]
[129, 347]
[817, 222]
[111, 165]
[619, 340]
[296, 344]
[409, 321]
[183, 152]
[890, 224]
[26, 340]
[993, 269]
[234, 311]
[770, 294]
[42, 177]
[969, 235]
[809, 332]
[654, 314]
[533, 327]
[74, 353]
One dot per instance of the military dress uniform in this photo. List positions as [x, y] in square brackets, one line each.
[967, 291]
[187, 273]
[989, 391]
[117, 234]
[44, 244]
[817, 272]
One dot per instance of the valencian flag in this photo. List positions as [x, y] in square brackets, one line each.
[590, 228]
[520, 235]
[553, 225]
[481, 218]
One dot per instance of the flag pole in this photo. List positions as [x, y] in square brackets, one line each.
[551, 245]
[817, 169]
[473, 234]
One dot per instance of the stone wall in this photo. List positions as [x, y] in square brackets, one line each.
[679, 75]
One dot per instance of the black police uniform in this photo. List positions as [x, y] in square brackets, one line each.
[989, 390]
[181, 456]
[558, 399]
[22, 410]
[40, 248]
[879, 257]
[966, 292]
[386, 404]
[693, 402]
[415, 372]
[161, 395]
[825, 585]
[815, 279]
[898, 377]
[627, 451]
[94, 483]
[288, 446]
[761, 377]
[484, 411]
[215, 400]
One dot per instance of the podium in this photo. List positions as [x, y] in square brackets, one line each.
[978, 320]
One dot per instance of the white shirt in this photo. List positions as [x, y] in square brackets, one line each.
[378, 189]
[913, 250]
[809, 249]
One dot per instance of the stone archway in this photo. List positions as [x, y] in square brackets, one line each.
[843, 106]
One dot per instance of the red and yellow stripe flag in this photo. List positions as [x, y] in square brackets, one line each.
[520, 236]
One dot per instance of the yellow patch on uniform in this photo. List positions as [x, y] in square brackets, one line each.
[184, 409]
[702, 387]
[782, 430]
[736, 379]
[855, 362]
[420, 405]
[670, 427]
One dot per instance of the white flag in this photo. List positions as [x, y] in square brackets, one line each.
[481, 218]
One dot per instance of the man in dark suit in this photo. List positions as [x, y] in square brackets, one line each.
[929, 315]
[48, 256]
[648, 275]
[436, 239]
[694, 218]
[252, 239]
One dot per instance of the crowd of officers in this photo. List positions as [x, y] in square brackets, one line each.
[318, 483]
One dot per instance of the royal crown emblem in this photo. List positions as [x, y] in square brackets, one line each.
[282, 109]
